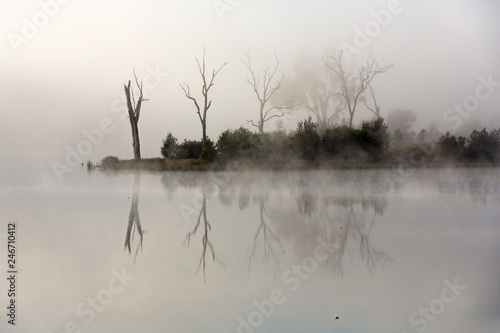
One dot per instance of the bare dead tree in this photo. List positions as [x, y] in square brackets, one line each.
[312, 88]
[353, 81]
[134, 111]
[205, 88]
[271, 82]
[134, 221]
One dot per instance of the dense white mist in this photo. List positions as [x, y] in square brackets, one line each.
[67, 77]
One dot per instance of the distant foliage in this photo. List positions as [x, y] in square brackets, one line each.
[170, 147]
[274, 143]
[208, 151]
[370, 141]
[480, 146]
[306, 141]
[452, 146]
[397, 136]
[239, 143]
[190, 149]
[338, 141]
[422, 135]
[110, 162]
[483, 146]
[373, 138]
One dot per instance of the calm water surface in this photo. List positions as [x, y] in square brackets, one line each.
[317, 251]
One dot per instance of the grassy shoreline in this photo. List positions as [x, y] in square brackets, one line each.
[159, 164]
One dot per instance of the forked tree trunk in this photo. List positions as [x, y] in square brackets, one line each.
[205, 88]
[134, 111]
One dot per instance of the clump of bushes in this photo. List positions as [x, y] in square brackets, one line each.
[306, 140]
[170, 146]
[239, 144]
[242, 144]
[483, 146]
[188, 149]
[451, 146]
[110, 163]
[480, 146]
[208, 151]
[370, 141]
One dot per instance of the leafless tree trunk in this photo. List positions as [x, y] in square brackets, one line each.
[205, 88]
[264, 93]
[134, 110]
[353, 82]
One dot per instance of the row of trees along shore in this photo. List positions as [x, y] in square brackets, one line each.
[368, 145]
[332, 90]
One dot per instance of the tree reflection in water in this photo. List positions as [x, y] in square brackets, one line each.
[134, 221]
[269, 238]
[206, 243]
[339, 207]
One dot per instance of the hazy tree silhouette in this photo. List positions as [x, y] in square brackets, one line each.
[353, 81]
[207, 84]
[264, 88]
[134, 111]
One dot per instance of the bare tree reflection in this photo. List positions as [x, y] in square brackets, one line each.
[339, 207]
[340, 210]
[206, 243]
[361, 227]
[269, 238]
[366, 251]
[134, 221]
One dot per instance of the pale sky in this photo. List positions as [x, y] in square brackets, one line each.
[67, 75]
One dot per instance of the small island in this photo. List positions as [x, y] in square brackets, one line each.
[369, 146]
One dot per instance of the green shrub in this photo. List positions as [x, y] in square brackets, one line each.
[371, 140]
[189, 149]
[239, 143]
[483, 146]
[208, 152]
[110, 162]
[338, 140]
[306, 141]
[274, 143]
[169, 148]
[451, 146]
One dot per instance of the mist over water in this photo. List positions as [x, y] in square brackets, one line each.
[389, 250]
[202, 249]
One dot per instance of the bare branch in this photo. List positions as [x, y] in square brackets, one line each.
[205, 88]
[252, 123]
[264, 92]
[352, 88]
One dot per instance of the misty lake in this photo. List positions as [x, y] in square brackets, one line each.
[310, 251]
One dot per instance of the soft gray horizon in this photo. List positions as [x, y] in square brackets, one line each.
[65, 63]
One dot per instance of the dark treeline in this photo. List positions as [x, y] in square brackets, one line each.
[368, 144]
